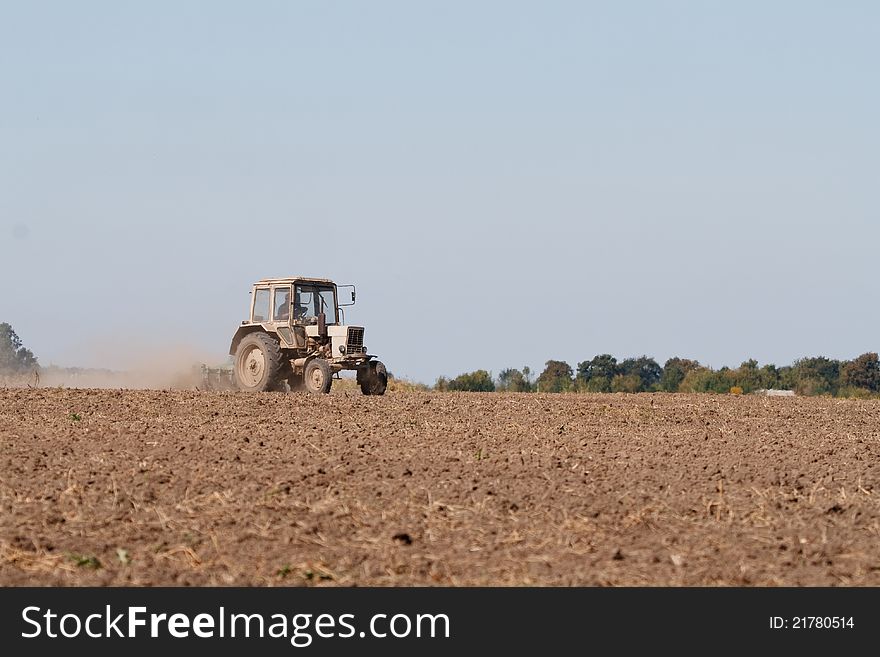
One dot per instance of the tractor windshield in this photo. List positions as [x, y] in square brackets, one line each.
[312, 300]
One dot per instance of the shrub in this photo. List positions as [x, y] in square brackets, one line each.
[852, 392]
[626, 383]
[477, 381]
[703, 380]
[813, 386]
[404, 385]
[599, 384]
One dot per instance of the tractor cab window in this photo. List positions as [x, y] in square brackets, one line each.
[261, 305]
[312, 300]
[282, 304]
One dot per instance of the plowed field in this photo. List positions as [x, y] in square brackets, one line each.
[197, 488]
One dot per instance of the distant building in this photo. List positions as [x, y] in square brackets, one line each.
[775, 393]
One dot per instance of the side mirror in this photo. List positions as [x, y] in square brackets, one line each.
[350, 303]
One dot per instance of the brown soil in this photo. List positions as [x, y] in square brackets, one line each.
[177, 488]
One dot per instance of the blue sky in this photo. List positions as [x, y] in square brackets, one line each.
[505, 182]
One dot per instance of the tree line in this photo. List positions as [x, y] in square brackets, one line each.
[818, 375]
[15, 359]
[859, 377]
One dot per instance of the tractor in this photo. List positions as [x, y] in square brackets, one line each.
[296, 334]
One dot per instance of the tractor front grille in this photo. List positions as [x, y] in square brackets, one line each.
[355, 340]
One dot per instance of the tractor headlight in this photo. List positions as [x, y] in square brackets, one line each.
[342, 349]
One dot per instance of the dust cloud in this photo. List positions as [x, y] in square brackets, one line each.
[144, 367]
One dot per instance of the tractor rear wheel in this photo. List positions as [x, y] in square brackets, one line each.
[318, 378]
[259, 363]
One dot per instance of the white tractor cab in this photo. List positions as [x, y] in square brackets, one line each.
[296, 334]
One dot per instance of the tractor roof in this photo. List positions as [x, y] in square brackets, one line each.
[292, 279]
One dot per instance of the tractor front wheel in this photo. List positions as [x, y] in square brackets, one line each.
[373, 379]
[318, 378]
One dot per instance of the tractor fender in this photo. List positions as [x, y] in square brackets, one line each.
[240, 333]
[363, 371]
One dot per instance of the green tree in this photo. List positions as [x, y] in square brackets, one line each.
[511, 380]
[14, 358]
[477, 381]
[674, 372]
[748, 376]
[769, 377]
[645, 368]
[863, 372]
[786, 377]
[556, 377]
[816, 376]
[601, 369]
